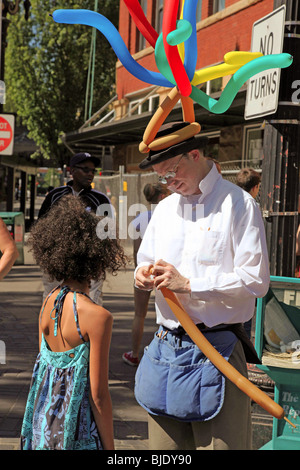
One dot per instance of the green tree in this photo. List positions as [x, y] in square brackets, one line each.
[46, 69]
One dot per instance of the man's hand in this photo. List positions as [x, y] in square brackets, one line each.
[144, 279]
[166, 275]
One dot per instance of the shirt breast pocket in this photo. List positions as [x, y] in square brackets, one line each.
[211, 248]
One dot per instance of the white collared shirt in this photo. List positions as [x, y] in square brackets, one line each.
[222, 251]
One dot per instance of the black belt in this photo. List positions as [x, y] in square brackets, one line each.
[236, 328]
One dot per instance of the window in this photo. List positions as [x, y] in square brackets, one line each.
[211, 86]
[199, 11]
[253, 146]
[159, 15]
[133, 109]
[215, 85]
[218, 5]
[140, 107]
[142, 40]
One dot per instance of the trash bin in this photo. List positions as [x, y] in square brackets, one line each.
[15, 224]
[277, 343]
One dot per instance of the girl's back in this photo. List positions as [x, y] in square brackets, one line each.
[58, 413]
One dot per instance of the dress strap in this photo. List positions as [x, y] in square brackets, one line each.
[46, 300]
[58, 306]
[76, 315]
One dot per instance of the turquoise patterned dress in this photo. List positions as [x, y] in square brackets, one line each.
[58, 414]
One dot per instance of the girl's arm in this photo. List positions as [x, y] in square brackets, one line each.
[8, 249]
[99, 332]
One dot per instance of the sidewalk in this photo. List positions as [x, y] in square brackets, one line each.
[20, 301]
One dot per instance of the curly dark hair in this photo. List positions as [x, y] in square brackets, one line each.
[65, 244]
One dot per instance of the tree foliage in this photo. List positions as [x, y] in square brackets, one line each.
[46, 69]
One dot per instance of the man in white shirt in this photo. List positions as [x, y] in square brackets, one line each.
[206, 242]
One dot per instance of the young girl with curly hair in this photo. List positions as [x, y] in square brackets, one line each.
[69, 405]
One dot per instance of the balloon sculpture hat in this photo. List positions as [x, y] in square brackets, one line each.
[186, 141]
[176, 58]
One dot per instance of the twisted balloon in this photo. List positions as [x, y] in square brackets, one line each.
[176, 58]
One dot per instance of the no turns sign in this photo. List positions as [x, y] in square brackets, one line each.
[263, 88]
[7, 127]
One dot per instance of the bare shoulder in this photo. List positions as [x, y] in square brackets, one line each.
[92, 317]
[100, 313]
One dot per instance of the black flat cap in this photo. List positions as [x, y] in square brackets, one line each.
[185, 146]
[82, 157]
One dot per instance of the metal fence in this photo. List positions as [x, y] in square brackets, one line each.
[125, 192]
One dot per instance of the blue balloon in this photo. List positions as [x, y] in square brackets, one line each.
[190, 46]
[238, 79]
[96, 20]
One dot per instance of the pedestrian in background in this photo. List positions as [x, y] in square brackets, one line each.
[69, 405]
[153, 194]
[249, 180]
[82, 168]
[8, 249]
[206, 242]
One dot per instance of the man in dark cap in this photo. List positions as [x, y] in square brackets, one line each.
[206, 243]
[82, 168]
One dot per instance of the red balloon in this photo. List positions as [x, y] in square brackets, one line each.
[172, 54]
[141, 21]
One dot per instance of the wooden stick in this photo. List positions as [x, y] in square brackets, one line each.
[290, 422]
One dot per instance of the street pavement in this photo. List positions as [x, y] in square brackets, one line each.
[20, 302]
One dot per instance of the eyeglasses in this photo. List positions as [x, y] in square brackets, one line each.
[170, 174]
[86, 169]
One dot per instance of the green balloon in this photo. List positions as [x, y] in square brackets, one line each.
[238, 79]
[162, 61]
[182, 32]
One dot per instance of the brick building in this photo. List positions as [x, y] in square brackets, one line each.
[222, 26]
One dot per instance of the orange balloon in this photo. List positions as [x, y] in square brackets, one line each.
[158, 119]
[188, 109]
[176, 137]
[218, 360]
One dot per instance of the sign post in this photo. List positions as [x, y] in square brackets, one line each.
[7, 129]
[263, 88]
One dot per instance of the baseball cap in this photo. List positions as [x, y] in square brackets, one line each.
[83, 156]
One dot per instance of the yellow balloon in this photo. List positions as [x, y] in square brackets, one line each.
[233, 61]
[180, 46]
[240, 57]
[216, 71]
